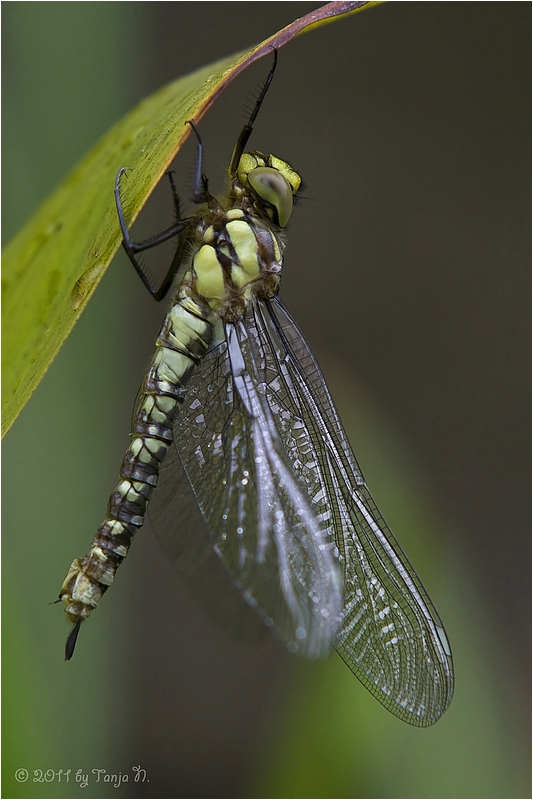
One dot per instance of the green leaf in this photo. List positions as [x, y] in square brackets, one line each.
[52, 267]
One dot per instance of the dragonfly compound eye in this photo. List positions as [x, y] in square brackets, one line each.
[274, 189]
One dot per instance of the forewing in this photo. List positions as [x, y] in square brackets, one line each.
[256, 515]
[391, 635]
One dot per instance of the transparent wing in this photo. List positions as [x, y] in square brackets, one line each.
[252, 509]
[390, 635]
[181, 527]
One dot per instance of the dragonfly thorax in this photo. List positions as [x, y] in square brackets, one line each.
[240, 249]
[239, 255]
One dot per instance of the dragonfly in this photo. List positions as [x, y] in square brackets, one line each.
[239, 453]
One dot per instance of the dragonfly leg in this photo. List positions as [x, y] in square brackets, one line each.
[182, 226]
[248, 128]
[175, 195]
[201, 183]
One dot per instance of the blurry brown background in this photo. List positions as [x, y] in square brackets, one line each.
[408, 270]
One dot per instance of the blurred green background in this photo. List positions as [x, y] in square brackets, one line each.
[408, 270]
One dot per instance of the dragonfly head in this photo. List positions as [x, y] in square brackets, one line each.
[271, 183]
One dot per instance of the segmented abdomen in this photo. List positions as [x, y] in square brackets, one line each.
[183, 340]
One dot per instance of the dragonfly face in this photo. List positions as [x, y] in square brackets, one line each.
[257, 485]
